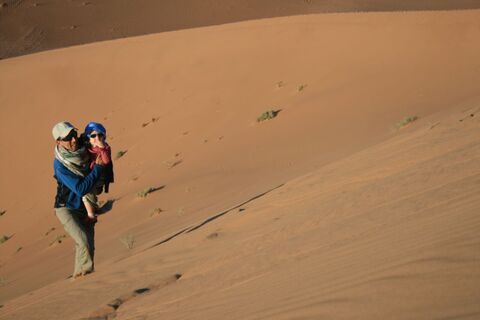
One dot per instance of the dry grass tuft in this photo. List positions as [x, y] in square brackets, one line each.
[4, 239]
[405, 121]
[267, 115]
[120, 154]
[156, 212]
[128, 241]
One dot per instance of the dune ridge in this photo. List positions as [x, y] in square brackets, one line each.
[30, 26]
[370, 220]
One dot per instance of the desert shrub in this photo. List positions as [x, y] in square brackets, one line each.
[155, 212]
[4, 238]
[128, 241]
[406, 121]
[267, 115]
[301, 87]
[144, 193]
[120, 154]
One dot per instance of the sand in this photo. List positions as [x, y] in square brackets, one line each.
[332, 209]
[29, 26]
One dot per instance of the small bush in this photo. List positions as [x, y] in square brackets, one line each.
[144, 193]
[155, 212]
[406, 121]
[301, 87]
[4, 238]
[267, 115]
[120, 154]
[128, 241]
[2, 212]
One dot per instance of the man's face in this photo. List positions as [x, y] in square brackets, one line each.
[70, 141]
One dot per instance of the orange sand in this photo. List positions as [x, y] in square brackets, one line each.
[354, 219]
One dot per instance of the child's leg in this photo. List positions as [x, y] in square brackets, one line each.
[89, 200]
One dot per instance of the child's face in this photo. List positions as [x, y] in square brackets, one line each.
[96, 138]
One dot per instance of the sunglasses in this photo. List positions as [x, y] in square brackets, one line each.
[99, 135]
[70, 136]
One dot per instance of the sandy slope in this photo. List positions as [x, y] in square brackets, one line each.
[382, 233]
[389, 232]
[28, 26]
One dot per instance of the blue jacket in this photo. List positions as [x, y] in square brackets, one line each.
[71, 188]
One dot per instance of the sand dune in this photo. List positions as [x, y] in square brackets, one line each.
[29, 26]
[328, 210]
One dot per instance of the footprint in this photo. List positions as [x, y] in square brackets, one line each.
[49, 231]
[213, 235]
[109, 311]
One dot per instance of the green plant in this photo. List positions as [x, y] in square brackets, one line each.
[301, 87]
[120, 154]
[144, 193]
[406, 121]
[128, 241]
[4, 238]
[155, 212]
[267, 115]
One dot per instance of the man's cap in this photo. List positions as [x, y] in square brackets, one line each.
[62, 129]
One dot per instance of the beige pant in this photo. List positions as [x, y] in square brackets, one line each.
[83, 235]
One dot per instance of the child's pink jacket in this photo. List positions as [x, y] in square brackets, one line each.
[105, 154]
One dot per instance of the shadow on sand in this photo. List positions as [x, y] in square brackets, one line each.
[161, 16]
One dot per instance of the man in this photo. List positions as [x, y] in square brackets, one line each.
[74, 179]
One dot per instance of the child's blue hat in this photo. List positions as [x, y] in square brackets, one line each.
[95, 126]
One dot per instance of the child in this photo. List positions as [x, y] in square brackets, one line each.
[95, 135]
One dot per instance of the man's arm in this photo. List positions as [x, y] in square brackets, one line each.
[78, 185]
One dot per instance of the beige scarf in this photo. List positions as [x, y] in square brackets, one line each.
[75, 161]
